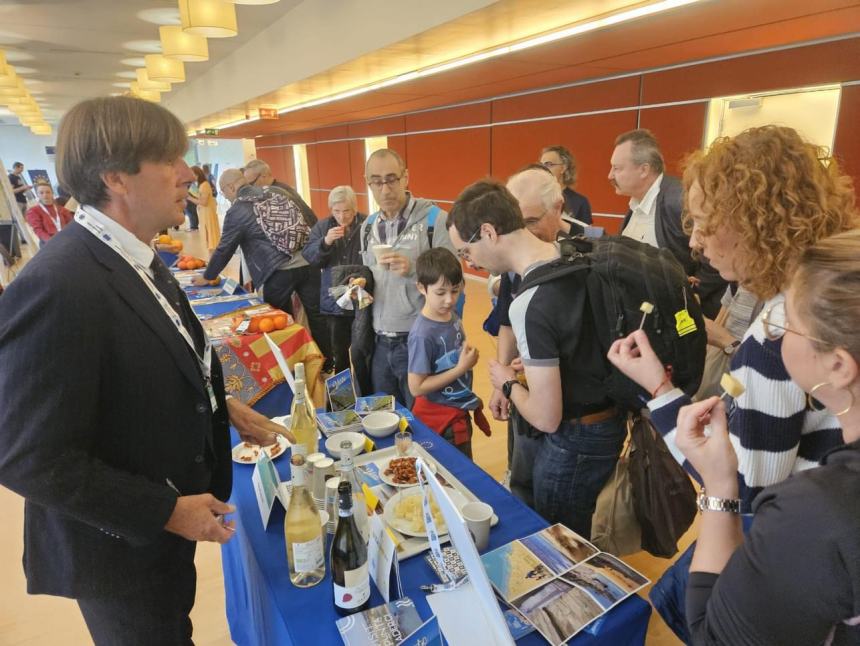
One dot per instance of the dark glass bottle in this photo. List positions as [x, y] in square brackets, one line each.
[349, 573]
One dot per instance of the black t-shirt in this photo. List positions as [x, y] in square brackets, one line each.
[553, 326]
[17, 182]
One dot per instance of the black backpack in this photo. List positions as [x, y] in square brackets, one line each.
[622, 274]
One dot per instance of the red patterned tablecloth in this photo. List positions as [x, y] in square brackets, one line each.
[250, 368]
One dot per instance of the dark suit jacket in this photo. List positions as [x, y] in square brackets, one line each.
[102, 402]
[671, 236]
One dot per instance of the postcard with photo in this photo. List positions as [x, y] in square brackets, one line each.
[514, 570]
[618, 572]
[605, 592]
[569, 543]
[542, 547]
[558, 610]
[366, 405]
[385, 625]
[342, 420]
[341, 394]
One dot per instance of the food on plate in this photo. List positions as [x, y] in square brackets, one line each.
[402, 471]
[275, 449]
[409, 509]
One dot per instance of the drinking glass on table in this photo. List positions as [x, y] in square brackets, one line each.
[403, 442]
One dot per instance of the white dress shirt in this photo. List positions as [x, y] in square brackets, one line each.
[134, 247]
[642, 223]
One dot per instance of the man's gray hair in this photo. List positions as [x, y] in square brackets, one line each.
[258, 166]
[645, 148]
[342, 194]
[534, 184]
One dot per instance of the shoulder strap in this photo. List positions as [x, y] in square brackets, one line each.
[369, 225]
[431, 223]
[553, 271]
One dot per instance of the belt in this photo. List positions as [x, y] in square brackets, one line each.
[594, 418]
[393, 335]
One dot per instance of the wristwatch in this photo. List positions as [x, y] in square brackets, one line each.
[731, 348]
[711, 503]
[507, 386]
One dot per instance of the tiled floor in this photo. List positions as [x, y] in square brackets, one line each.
[48, 621]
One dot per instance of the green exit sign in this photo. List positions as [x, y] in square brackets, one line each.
[211, 132]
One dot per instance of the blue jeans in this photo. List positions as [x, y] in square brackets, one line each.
[390, 368]
[571, 467]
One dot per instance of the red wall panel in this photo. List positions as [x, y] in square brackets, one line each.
[442, 164]
[617, 93]
[590, 139]
[678, 128]
[847, 144]
[826, 63]
[275, 159]
[332, 164]
[333, 132]
[377, 127]
[319, 203]
[313, 165]
[465, 115]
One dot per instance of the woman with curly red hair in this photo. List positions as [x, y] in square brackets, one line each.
[755, 203]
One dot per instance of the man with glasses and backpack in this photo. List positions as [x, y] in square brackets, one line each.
[391, 241]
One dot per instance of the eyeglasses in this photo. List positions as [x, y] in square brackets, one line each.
[530, 222]
[462, 253]
[549, 164]
[254, 181]
[389, 181]
[775, 323]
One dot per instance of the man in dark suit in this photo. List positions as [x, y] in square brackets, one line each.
[656, 208]
[114, 423]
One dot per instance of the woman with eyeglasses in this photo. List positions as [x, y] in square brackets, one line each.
[559, 162]
[755, 202]
[795, 578]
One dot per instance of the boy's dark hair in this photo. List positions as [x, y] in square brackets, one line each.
[485, 201]
[438, 263]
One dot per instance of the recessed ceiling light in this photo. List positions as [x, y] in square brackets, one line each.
[127, 74]
[160, 15]
[146, 46]
[122, 84]
[133, 62]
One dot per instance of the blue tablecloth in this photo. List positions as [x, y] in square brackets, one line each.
[263, 607]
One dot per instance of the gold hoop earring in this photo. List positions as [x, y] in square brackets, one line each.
[810, 400]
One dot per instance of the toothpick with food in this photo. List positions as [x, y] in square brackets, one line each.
[646, 308]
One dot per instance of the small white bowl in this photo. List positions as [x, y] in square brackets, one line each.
[332, 444]
[381, 424]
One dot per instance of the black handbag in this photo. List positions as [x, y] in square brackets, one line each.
[664, 498]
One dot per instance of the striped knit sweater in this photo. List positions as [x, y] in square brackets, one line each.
[771, 428]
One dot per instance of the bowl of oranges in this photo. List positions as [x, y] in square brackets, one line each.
[165, 243]
[258, 322]
[190, 262]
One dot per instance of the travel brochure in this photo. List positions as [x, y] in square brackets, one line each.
[367, 405]
[341, 394]
[559, 581]
[342, 420]
[391, 624]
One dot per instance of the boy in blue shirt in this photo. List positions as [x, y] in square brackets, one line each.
[440, 360]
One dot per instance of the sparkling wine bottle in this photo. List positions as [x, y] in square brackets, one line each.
[299, 370]
[303, 532]
[349, 573]
[303, 425]
[359, 502]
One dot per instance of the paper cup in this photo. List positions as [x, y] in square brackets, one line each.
[478, 516]
[323, 470]
[380, 250]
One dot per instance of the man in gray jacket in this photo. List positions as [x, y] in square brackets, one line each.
[391, 241]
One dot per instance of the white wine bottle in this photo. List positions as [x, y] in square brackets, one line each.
[359, 502]
[302, 425]
[300, 375]
[349, 574]
[303, 532]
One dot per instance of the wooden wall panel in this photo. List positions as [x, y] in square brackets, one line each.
[331, 133]
[465, 115]
[847, 144]
[332, 164]
[617, 93]
[377, 127]
[814, 65]
[313, 166]
[442, 164]
[319, 203]
[590, 139]
[679, 129]
[274, 157]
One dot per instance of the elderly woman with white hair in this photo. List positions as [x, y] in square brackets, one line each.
[335, 241]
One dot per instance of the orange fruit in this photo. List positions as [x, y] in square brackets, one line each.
[266, 324]
[182, 265]
[280, 321]
[253, 326]
[164, 239]
[177, 246]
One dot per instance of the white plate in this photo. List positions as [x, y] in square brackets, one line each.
[332, 444]
[405, 527]
[383, 465]
[251, 452]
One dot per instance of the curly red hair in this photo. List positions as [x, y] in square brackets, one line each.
[779, 193]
